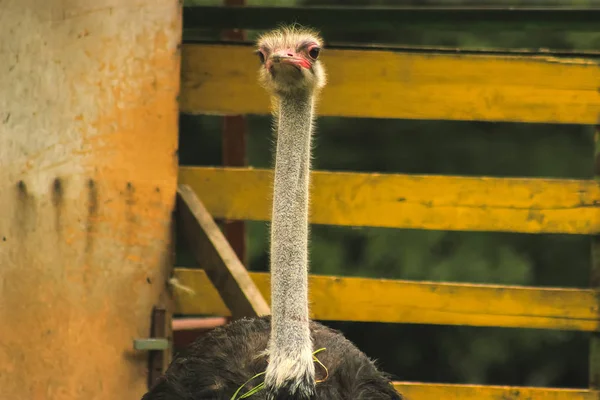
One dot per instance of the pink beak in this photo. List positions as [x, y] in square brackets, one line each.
[287, 57]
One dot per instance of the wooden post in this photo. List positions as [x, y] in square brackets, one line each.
[88, 140]
[234, 155]
[234, 151]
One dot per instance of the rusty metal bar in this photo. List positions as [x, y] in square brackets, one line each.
[187, 330]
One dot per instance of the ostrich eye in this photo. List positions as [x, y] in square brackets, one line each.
[314, 52]
[261, 56]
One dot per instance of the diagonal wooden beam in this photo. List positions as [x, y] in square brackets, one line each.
[215, 255]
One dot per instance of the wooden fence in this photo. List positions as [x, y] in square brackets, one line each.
[525, 87]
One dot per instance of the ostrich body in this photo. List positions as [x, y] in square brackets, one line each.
[281, 345]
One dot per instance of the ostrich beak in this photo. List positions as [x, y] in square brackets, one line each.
[288, 58]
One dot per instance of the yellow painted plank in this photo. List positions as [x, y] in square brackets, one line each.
[221, 79]
[410, 201]
[351, 299]
[429, 391]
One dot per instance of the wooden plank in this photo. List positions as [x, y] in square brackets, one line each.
[410, 201]
[88, 140]
[221, 79]
[378, 18]
[215, 255]
[351, 299]
[433, 391]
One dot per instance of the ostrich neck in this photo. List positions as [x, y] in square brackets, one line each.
[289, 227]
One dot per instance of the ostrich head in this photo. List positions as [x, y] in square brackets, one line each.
[290, 63]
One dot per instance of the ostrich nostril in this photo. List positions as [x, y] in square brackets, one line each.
[290, 55]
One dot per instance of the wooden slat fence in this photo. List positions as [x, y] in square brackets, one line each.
[414, 84]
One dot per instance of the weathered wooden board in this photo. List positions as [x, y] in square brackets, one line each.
[351, 299]
[431, 391]
[365, 18]
[222, 79]
[215, 255]
[410, 201]
[88, 139]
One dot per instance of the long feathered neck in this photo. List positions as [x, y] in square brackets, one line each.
[291, 365]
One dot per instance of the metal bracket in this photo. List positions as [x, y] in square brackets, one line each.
[155, 345]
[151, 344]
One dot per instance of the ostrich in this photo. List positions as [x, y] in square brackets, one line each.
[281, 346]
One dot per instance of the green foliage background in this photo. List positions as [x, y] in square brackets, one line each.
[440, 353]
